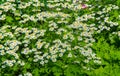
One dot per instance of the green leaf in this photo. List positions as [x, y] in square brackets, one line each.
[3, 58]
[57, 74]
[17, 18]
[45, 2]
[36, 72]
[72, 70]
[106, 56]
[30, 59]
[9, 19]
[15, 68]
[99, 72]
[27, 66]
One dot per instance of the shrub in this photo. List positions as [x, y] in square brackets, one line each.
[59, 38]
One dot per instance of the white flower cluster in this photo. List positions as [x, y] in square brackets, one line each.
[53, 38]
[115, 33]
[8, 63]
[43, 16]
[26, 74]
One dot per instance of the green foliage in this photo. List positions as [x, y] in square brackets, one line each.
[106, 46]
[110, 59]
[9, 19]
[35, 72]
[72, 70]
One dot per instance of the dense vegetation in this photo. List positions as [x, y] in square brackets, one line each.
[59, 38]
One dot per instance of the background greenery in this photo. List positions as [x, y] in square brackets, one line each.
[107, 46]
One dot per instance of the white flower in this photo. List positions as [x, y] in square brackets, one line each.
[11, 0]
[22, 63]
[65, 36]
[42, 62]
[47, 45]
[69, 55]
[10, 64]
[3, 17]
[35, 60]
[51, 29]
[2, 52]
[46, 61]
[53, 59]
[86, 61]
[20, 75]
[1, 36]
[48, 57]
[0, 12]
[39, 44]
[26, 51]
[1, 46]
[28, 74]
[97, 61]
[61, 54]
[3, 66]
